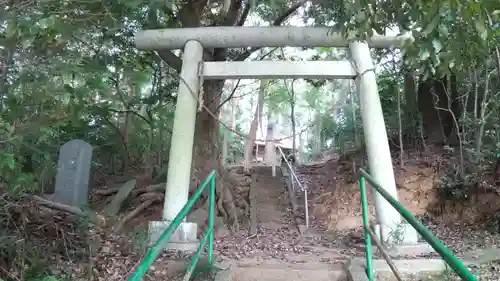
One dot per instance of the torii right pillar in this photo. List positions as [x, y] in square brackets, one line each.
[389, 228]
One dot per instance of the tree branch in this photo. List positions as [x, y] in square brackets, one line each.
[221, 54]
[171, 59]
[133, 113]
[232, 14]
[234, 90]
[277, 22]
[230, 96]
[176, 63]
[244, 14]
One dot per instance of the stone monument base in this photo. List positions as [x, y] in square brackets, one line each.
[405, 241]
[183, 238]
[403, 234]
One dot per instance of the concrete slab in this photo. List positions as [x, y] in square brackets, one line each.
[257, 269]
[403, 234]
[401, 251]
[416, 250]
[280, 274]
[404, 265]
[356, 267]
[183, 238]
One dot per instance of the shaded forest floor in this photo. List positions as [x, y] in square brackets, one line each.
[96, 253]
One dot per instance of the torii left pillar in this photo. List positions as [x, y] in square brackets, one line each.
[181, 154]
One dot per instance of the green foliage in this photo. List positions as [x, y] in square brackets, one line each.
[493, 223]
[449, 36]
[69, 69]
[235, 143]
[457, 187]
[279, 97]
[70, 78]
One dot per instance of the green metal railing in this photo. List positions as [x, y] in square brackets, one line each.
[446, 254]
[208, 237]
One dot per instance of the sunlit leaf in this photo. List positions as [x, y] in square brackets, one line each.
[27, 42]
[481, 28]
[7, 160]
[424, 54]
[11, 29]
[437, 45]
[432, 25]
[47, 22]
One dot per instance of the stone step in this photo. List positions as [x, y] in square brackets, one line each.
[413, 269]
[272, 270]
[280, 274]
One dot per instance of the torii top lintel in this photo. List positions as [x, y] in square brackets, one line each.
[249, 37]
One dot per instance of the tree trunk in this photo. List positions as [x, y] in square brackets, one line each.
[224, 148]
[400, 125]
[433, 95]
[206, 150]
[126, 133]
[318, 139]
[234, 105]
[484, 113]
[497, 55]
[6, 62]
[225, 133]
[357, 143]
[292, 119]
[253, 127]
[206, 153]
[301, 149]
[270, 157]
[410, 107]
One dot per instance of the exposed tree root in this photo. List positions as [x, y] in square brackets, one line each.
[228, 199]
[231, 196]
[150, 188]
[93, 217]
[137, 211]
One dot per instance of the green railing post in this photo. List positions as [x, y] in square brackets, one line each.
[156, 249]
[366, 226]
[196, 256]
[211, 221]
[455, 263]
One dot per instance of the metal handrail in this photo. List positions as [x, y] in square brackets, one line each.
[206, 240]
[446, 254]
[302, 187]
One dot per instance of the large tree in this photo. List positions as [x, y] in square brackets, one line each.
[91, 42]
[235, 13]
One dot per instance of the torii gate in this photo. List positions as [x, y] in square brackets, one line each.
[193, 40]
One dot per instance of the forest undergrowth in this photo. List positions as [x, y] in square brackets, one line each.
[41, 240]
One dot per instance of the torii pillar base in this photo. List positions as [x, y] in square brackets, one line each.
[183, 239]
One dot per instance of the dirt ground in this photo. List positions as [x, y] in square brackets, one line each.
[335, 215]
[336, 203]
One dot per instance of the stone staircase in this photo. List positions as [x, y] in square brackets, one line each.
[271, 221]
[272, 270]
[267, 199]
[307, 257]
